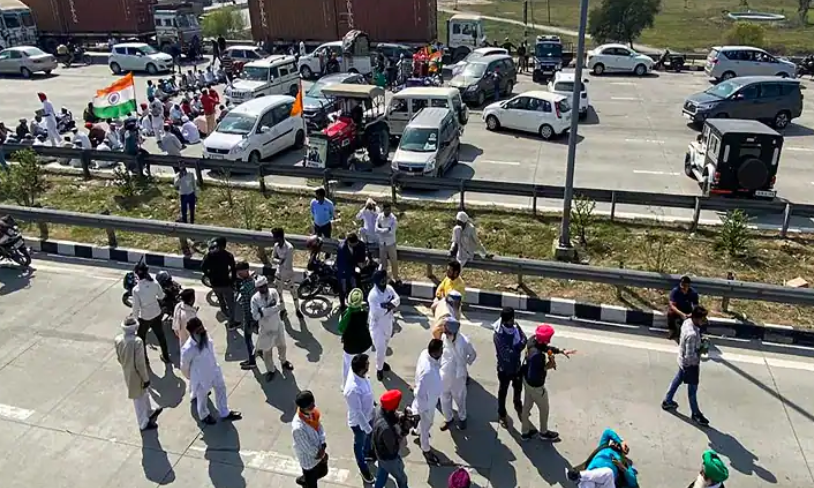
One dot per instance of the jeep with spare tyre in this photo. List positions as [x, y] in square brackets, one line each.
[733, 157]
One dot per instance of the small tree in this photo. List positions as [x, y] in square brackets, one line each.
[656, 251]
[582, 218]
[745, 34]
[227, 22]
[25, 182]
[622, 20]
[735, 238]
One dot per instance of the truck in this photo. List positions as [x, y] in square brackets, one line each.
[550, 56]
[17, 26]
[465, 33]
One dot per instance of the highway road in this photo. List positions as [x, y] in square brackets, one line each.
[634, 139]
[65, 420]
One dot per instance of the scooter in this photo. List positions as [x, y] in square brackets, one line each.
[12, 244]
[670, 62]
[806, 66]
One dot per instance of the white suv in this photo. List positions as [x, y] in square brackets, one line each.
[618, 58]
[563, 84]
[274, 75]
[138, 56]
[725, 62]
[256, 130]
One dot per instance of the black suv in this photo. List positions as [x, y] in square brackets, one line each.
[488, 77]
[548, 58]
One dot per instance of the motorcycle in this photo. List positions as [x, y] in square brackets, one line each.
[321, 279]
[12, 244]
[78, 57]
[670, 62]
[171, 288]
[806, 66]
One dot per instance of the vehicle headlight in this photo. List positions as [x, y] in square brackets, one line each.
[472, 88]
[240, 146]
[431, 164]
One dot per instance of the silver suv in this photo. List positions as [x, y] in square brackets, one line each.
[726, 62]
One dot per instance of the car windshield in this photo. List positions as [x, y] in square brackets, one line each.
[565, 86]
[548, 50]
[255, 73]
[240, 124]
[32, 51]
[148, 50]
[475, 70]
[472, 57]
[316, 89]
[723, 89]
[419, 140]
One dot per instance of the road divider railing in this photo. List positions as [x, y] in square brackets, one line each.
[621, 278]
[399, 181]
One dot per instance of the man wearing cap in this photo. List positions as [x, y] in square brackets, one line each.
[50, 118]
[358, 395]
[458, 355]
[131, 356]
[245, 292]
[353, 325]
[713, 471]
[465, 242]
[510, 341]
[383, 301]
[266, 311]
[427, 392]
[445, 308]
[388, 440]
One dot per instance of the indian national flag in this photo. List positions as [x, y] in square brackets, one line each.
[116, 100]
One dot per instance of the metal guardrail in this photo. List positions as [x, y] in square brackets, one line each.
[516, 266]
[461, 186]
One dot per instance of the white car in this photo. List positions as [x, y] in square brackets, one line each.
[313, 64]
[726, 62]
[256, 130]
[563, 84]
[138, 56]
[541, 112]
[274, 75]
[618, 58]
[474, 56]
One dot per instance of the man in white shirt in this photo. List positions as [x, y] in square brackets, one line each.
[156, 117]
[50, 118]
[359, 397]
[383, 301]
[147, 309]
[283, 256]
[265, 305]
[81, 139]
[184, 310]
[427, 391]
[465, 242]
[458, 356]
[170, 143]
[309, 441]
[200, 364]
[386, 224]
[186, 185]
[368, 215]
[189, 131]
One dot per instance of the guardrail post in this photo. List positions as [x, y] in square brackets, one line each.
[43, 230]
[429, 266]
[725, 300]
[534, 201]
[85, 159]
[111, 233]
[786, 220]
[619, 288]
[393, 190]
[199, 174]
[462, 203]
[261, 179]
[184, 243]
[326, 183]
[696, 214]
[613, 205]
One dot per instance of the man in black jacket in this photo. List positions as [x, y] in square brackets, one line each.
[510, 341]
[388, 439]
[219, 266]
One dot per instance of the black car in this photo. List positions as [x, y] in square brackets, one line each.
[316, 107]
[488, 77]
[393, 52]
[548, 58]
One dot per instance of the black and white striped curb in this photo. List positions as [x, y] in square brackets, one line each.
[569, 309]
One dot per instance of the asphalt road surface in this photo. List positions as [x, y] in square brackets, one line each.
[634, 139]
[65, 420]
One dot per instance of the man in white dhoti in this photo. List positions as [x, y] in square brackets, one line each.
[130, 353]
[266, 305]
[458, 356]
[383, 301]
[427, 391]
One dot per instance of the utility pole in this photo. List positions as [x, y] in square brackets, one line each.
[548, 5]
[564, 250]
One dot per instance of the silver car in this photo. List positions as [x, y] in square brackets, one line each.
[26, 60]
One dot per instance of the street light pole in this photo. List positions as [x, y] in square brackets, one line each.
[564, 248]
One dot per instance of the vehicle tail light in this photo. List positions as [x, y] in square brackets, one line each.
[557, 106]
[714, 61]
[716, 177]
[773, 180]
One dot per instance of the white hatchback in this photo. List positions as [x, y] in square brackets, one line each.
[541, 112]
[256, 130]
[138, 56]
[563, 84]
[618, 58]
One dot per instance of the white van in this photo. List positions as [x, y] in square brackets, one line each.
[274, 75]
[256, 130]
[408, 102]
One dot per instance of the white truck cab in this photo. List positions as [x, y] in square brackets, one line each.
[465, 33]
[17, 27]
[274, 75]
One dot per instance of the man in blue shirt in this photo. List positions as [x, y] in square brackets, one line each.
[322, 213]
[608, 463]
[350, 255]
[683, 299]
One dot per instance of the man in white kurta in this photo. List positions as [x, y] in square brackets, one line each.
[200, 365]
[49, 116]
[458, 356]
[265, 305]
[383, 301]
[427, 391]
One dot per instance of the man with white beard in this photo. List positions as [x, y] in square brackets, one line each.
[383, 301]
[427, 392]
[458, 356]
[200, 365]
[713, 471]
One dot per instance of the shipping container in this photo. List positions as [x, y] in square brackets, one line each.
[93, 17]
[411, 21]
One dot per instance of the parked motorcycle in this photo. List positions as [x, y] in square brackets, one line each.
[12, 244]
[806, 66]
[78, 57]
[669, 61]
[171, 288]
[322, 279]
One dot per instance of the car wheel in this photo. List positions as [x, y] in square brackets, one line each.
[254, 158]
[492, 123]
[481, 99]
[306, 73]
[86, 59]
[599, 68]
[782, 75]
[782, 120]
[640, 70]
[294, 90]
[688, 166]
[546, 132]
[509, 89]
[728, 75]
[25, 72]
[48, 72]
[152, 69]
[299, 139]
[115, 68]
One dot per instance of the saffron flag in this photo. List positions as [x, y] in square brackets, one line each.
[116, 100]
[296, 109]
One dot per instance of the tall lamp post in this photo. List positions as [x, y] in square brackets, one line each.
[564, 249]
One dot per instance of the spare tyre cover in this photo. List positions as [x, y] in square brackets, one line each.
[752, 174]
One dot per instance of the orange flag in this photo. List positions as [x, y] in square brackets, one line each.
[296, 109]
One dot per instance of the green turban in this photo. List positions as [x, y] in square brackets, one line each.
[714, 467]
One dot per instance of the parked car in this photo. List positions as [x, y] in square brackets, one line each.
[563, 84]
[407, 103]
[476, 55]
[256, 130]
[764, 98]
[317, 106]
[320, 61]
[726, 62]
[618, 58]
[26, 60]
[244, 54]
[274, 75]
[541, 112]
[430, 145]
[138, 56]
[476, 81]
[393, 52]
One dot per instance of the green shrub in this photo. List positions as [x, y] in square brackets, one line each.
[24, 183]
[746, 34]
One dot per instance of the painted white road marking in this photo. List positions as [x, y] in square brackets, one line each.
[798, 149]
[661, 173]
[505, 163]
[649, 141]
[623, 83]
[282, 464]
[15, 413]
[626, 99]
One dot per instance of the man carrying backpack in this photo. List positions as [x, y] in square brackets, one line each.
[607, 464]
